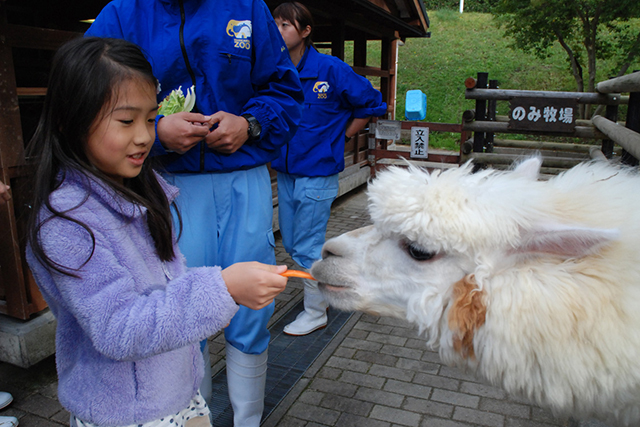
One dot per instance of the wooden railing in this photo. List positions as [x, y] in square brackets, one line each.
[597, 137]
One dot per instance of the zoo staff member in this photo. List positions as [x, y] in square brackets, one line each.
[337, 104]
[249, 95]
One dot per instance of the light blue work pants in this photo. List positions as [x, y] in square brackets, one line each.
[228, 218]
[304, 207]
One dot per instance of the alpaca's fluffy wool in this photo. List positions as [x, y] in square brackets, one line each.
[535, 285]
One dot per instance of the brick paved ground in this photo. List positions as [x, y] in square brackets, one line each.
[377, 372]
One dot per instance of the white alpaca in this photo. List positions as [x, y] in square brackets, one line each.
[534, 285]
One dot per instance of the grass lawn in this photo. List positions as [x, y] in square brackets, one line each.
[461, 45]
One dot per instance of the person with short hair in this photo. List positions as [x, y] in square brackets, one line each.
[337, 104]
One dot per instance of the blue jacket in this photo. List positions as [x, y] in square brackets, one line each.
[128, 332]
[333, 94]
[233, 71]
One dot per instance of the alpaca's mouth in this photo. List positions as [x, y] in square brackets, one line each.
[330, 287]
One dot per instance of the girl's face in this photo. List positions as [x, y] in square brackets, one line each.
[122, 135]
[293, 38]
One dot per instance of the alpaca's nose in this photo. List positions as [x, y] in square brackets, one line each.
[343, 245]
[330, 248]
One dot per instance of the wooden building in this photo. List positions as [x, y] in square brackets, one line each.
[31, 30]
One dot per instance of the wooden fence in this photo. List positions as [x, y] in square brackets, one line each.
[382, 154]
[545, 113]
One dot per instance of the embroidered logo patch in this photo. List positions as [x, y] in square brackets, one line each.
[321, 88]
[241, 33]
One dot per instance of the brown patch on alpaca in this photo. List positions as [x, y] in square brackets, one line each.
[467, 313]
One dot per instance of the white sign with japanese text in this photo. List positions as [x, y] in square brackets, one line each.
[419, 142]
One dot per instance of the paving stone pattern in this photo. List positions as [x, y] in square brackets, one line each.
[376, 372]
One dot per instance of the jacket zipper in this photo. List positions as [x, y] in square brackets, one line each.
[189, 69]
[165, 269]
[286, 159]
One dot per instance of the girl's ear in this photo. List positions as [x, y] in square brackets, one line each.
[305, 33]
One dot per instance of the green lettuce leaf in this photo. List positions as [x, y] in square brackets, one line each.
[177, 102]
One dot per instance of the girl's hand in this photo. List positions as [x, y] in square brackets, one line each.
[5, 195]
[180, 132]
[254, 284]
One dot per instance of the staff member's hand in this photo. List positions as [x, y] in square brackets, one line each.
[230, 134]
[180, 132]
[5, 195]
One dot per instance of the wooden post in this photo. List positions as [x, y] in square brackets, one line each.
[360, 52]
[633, 116]
[393, 81]
[481, 108]
[11, 155]
[607, 144]
[337, 39]
[386, 60]
[491, 116]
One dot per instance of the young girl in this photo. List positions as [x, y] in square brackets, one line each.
[102, 249]
[337, 104]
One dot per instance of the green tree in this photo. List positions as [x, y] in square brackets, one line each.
[588, 30]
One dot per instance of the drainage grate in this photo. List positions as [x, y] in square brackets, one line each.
[289, 358]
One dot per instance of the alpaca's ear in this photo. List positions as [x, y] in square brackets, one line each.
[467, 313]
[565, 241]
[529, 168]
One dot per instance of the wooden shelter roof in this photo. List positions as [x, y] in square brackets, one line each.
[371, 19]
[375, 19]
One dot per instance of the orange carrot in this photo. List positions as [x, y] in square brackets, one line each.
[297, 273]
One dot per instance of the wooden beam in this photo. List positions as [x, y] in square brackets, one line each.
[372, 71]
[36, 38]
[501, 127]
[625, 137]
[626, 83]
[31, 91]
[580, 97]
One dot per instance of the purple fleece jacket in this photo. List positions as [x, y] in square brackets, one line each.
[127, 340]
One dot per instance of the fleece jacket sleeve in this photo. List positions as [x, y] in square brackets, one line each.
[123, 323]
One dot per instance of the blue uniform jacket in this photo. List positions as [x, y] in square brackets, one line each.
[333, 94]
[234, 70]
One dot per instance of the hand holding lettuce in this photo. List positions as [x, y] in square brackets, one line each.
[181, 132]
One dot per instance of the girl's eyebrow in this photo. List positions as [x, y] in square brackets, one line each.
[132, 108]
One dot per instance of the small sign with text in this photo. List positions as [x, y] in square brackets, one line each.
[543, 114]
[388, 129]
[419, 142]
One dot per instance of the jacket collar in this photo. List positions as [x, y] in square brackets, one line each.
[311, 64]
[108, 196]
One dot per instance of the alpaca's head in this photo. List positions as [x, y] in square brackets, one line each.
[438, 239]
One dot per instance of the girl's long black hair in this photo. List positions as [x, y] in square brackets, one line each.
[85, 76]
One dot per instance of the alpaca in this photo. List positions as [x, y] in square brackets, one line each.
[532, 285]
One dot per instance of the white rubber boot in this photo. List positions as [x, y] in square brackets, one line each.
[314, 316]
[8, 422]
[246, 378]
[5, 399]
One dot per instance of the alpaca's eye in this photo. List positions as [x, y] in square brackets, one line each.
[418, 253]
